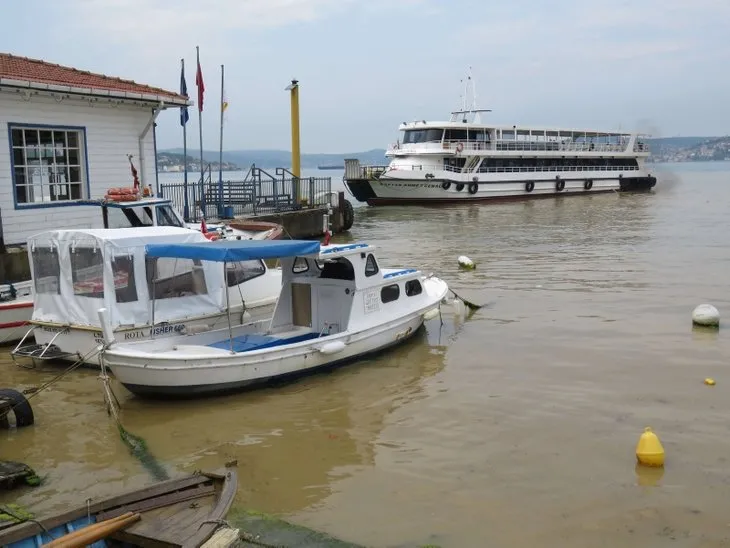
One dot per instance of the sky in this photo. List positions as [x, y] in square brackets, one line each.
[658, 66]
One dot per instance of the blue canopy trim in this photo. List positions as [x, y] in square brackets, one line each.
[234, 250]
[399, 273]
[343, 248]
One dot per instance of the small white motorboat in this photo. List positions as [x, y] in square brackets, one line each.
[336, 304]
[76, 272]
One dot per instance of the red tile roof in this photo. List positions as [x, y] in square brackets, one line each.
[37, 71]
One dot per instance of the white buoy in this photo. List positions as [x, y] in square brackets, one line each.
[706, 314]
[466, 262]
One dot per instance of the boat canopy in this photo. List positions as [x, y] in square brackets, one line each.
[234, 250]
[76, 272]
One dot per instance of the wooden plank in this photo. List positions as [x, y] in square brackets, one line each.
[158, 502]
[167, 530]
[225, 500]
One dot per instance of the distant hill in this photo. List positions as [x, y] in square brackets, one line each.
[282, 158]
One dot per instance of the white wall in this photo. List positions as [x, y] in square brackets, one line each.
[112, 132]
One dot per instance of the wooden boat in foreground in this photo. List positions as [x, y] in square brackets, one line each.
[179, 512]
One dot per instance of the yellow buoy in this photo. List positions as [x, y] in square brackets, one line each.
[649, 450]
[709, 381]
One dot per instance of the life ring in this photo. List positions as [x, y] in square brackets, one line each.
[459, 147]
[588, 184]
[473, 187]
[559, 185]
[529, 186]
[459, 187]
[446, 185]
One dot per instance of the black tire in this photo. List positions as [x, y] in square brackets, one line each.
[473, 187]
[445, 185]
[588, 184]
[348, 216]
[529, 187]
[20, 407]
[559, 185]
[459, 187]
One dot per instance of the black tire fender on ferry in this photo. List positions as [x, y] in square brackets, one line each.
[559, 184]
[588, 184]
[446, 185]
[473, 187]
[20, 408]
[529, 186]
[348, 216]
[459, 187]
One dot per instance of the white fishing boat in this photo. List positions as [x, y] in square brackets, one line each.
[336, 304]
[16, 300]
[465, 160]
[75, 272]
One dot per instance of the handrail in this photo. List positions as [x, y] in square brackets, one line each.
[508, 169]
[512, 145]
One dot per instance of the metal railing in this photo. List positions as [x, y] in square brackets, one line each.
[512, 169]
[516, 146]
[259, 192]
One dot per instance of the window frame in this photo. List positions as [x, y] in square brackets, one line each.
[375, 262]
[390, 286]
[83, 164]
[235, 271]
[411, 283]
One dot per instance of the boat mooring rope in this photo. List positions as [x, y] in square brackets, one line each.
[137, 445]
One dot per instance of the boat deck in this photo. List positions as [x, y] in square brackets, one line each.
[255, 341]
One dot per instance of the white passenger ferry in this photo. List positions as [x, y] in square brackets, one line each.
[465, 160]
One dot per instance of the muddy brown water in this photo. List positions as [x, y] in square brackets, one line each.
[514, 427]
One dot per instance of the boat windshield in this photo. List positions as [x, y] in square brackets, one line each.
[422, 136]
[133, 217]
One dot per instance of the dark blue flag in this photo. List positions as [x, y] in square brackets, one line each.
[184, 116]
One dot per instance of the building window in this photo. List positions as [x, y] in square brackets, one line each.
[48, 164]
[390, 293]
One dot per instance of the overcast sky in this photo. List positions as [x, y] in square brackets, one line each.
[364, 66]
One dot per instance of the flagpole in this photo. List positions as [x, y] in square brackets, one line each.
[200, 129]
[186, 206]
[220, 156]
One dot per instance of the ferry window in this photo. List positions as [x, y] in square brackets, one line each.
[87, 272]
[300, 265]
[371, 266]
[390, 293]
[338, 269]
[169, 278]
[243, 271]
[46, 270]
[413, 287]
[49, 164]
[124, 283]
[455, 135]
[422, 136]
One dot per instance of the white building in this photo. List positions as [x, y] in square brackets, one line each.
[68, 135]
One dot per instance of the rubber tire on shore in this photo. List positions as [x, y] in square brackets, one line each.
[473, 187]
[348, 216]
[529, 187]
[588, 184]
[445, 185]
[21, 408]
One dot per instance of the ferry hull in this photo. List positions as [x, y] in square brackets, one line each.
[403, 191]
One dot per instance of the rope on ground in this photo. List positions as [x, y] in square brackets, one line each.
[137, 445]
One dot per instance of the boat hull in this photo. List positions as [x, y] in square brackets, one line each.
[14, 319]
[225, 373]
[82, 342]
[394, 191]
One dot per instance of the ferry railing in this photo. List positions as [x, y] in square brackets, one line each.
[466, 146]
[515, 169]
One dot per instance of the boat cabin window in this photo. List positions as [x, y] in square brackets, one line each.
[166, 217]
[300, 266]
[413, 136]
[46, 270]
[390, 293]
[129, 217]
[243, 271]
[124, 284]
[338, 269]
[371, 266]
[87, 272]
[413, 287]
[169, 278]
